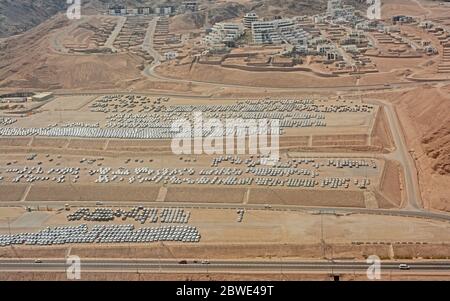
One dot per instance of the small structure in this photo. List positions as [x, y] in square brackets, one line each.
[42, 96]
[333, 55]
[402, 19]
[13, 100]
[19, 97]
[121, 10]
[165, 10]
[171, 55]
[191, 5]
[117, 10]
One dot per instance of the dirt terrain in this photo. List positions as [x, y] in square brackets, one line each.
[27, 276]
[39, 66]
[261, 234]
[424, 114]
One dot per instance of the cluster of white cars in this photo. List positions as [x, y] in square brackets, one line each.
[139, 214]
[174, 215]
[97, 133]
[223, 171]
[127, 234]
[341, 163]
[240, 213]
[98, 215]
[335, 182]
[34, 174]
[102, 234]
[345, 108]
[155, 117]
[76, 124]
[278, 172]
[290, 116]
[125, 103]
[143, 175]
[5, 121]
[300, 182]
[230, 180]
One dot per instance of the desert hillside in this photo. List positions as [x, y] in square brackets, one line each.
[38, 66]
[18, 16]
[425, 117]
[430, 110]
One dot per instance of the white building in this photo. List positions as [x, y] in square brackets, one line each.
[224, 33]
[165, 10]
[171, 55]
[42, 96]
[191, 5]
[280, 31]
[119, 10]
[336, 9]
[334, 6]
[249, 19]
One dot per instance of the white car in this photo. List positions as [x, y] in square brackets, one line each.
[404, 266]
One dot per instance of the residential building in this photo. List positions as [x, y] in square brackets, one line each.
[224, 33]
[191, 5]
[249, 19]
[279, 31]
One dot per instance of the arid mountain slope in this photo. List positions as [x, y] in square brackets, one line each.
[17, 16]
[28, 61]
[425, 117]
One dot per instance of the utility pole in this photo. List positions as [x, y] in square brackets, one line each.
[9, 226]
[322, 241]
[321, 227]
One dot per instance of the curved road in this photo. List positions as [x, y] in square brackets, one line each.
[150, 72]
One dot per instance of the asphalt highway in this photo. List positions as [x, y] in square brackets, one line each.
[129, 265]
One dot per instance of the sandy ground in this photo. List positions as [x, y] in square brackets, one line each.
[260, 230]
[392, 183]
[217, 74]
[26, 276]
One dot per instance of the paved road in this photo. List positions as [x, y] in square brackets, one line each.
[110, 42]
[130, 265]
[312, 209]
[151, 73]
[402, 155]
[148, 41]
